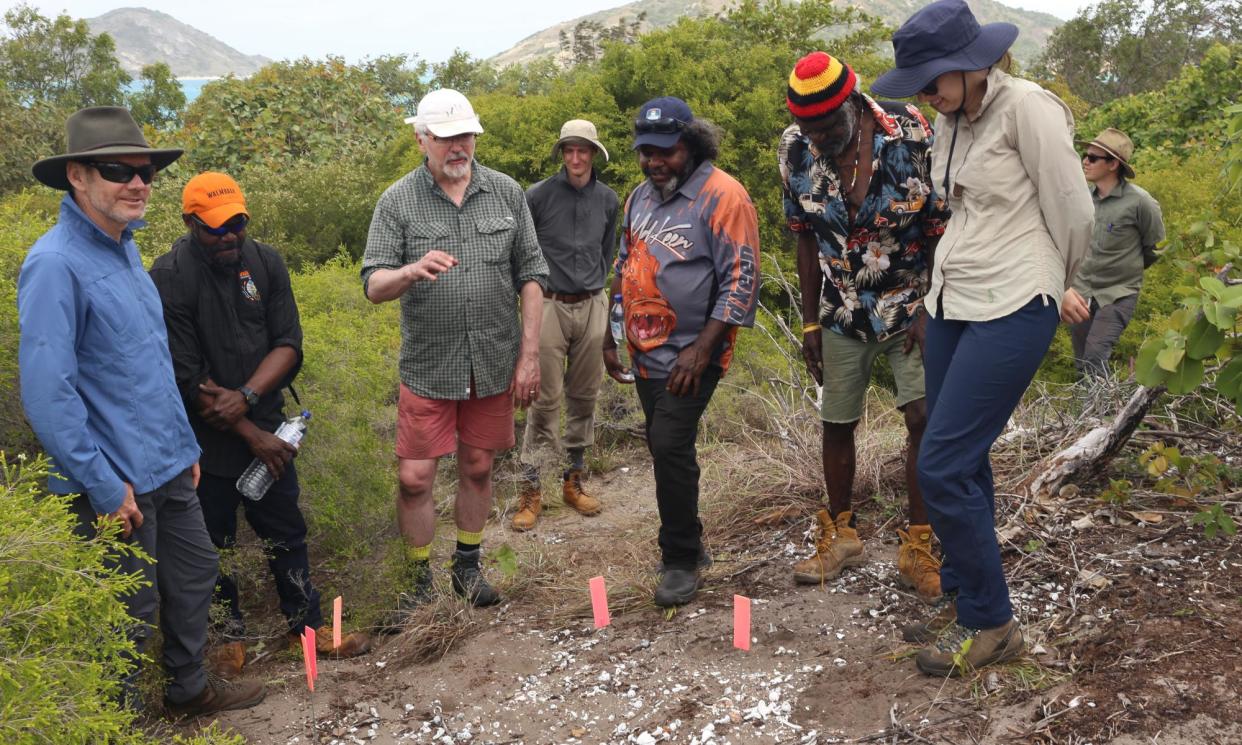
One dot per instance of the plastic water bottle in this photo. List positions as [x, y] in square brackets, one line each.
[257, 479]
[616, 320]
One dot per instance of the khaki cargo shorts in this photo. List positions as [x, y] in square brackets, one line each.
[847, 373]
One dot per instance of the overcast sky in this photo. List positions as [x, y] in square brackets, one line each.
[288, 29]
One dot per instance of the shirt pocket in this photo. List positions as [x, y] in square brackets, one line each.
[424, 236]
[495, 238]
[113, 302]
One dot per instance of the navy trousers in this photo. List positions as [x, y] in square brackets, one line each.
[976, 373]
[277, 521]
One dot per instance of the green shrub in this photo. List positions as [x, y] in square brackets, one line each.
[62, 653]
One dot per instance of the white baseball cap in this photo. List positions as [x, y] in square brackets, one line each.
[446, 113]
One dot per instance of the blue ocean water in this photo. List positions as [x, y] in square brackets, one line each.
[191, 87]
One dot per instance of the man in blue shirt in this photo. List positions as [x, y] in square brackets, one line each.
[98, 389]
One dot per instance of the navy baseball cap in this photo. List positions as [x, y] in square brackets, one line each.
[941, 37]
[660, 122]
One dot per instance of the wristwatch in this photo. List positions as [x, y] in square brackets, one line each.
[252, 398]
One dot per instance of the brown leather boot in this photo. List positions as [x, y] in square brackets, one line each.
[838, 547]
[218, 695]
[575, 497]
[917, 568]
[529, 506]
[226, 660]
[353, 643]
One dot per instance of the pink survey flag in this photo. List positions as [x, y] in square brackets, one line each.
[741, 623]
[599, 602]
[336, 622]
[309, 657]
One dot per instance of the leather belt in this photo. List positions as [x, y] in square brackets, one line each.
[566, 297]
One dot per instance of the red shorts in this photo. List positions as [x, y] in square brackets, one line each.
[429, 428]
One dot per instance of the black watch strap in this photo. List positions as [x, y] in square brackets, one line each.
[252, 398]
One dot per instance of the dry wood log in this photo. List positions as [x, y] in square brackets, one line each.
[1089, 454]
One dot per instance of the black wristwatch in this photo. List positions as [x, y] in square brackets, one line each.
[252, 398]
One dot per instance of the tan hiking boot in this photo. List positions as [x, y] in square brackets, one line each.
[353, 643]
[530, 504]
[838, 547]
[218, 695]
[925, 631]
[226, 660]
[575, 497]
[960, 650]
[917, 568]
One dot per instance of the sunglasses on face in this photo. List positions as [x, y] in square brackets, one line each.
[236, 226]
[665, 126]
[1092, 157]
[121, 173]
[930, 89]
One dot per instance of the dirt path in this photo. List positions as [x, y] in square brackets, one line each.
[826, 665]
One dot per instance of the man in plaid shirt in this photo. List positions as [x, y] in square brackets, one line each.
[455, 242]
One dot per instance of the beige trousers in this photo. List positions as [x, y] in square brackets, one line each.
[571, 365]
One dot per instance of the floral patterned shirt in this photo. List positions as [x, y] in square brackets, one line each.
[875, 268]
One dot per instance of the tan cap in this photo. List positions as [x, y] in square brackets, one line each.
[1117, 144]
[578, 129]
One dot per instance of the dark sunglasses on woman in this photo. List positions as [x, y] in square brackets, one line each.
[121, 173]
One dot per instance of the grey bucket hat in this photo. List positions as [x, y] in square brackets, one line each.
[99, 132]
[579, 129]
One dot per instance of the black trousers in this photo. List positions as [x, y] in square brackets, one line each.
[278, 522]
[672, 426]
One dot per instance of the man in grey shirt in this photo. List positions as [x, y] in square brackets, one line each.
[576, 220]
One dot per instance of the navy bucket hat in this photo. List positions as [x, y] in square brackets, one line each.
[939, 38]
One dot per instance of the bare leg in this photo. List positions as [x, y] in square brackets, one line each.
[416, 504]
[474, 487]
[839, 462]
[916, 422]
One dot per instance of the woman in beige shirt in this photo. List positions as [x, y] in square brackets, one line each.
[1022, 218]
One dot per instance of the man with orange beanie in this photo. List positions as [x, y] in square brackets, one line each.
[858, 194]
[236, 341]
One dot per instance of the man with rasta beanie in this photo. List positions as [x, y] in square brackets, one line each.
[858, 194]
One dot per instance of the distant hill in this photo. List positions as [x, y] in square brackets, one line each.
[146, 36]
[1034, 27]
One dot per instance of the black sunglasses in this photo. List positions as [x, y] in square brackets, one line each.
[1092, 157]
[930, 89]
[121, 173]
[666, 126]
[236, 225]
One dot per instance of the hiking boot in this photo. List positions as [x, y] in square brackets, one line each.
[353, 643]
[216, 696]
[926, 631]
[420, 594]
[529, 506]
[961, 650]
[574, 496]
[838, 547]
[704, 561]
[226, 660]
[468, 580]
[917, 568]
[677, 587]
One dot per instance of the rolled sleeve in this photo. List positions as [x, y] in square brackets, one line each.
[385, 240]
[1046, 148]
[48, 315]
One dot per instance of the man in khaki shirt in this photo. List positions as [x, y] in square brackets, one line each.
[1128, 225]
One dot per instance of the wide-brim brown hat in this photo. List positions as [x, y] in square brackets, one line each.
[1117, 144]
[99, 132]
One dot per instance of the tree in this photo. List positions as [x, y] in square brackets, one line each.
[464, 73]
[160, 101]
[59, 61]
[1119, 47]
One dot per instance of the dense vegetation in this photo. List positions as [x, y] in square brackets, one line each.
[314, 142]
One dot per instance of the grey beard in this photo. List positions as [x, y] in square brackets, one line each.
[670, 188]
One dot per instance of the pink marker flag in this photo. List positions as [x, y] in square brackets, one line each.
[599, 602]
[336, 623]
[741, 623]
[308, 656]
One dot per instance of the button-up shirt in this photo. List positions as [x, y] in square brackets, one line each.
[96, 377]
[222, 322]
[875, 268]
[464, 326]
[685, 260]
[1022, 214]
[577, 231]
[1127, 223]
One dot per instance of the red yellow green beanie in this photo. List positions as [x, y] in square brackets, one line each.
[818, 85]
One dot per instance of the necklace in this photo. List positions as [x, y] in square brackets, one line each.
[849, 193]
